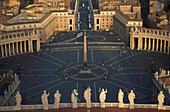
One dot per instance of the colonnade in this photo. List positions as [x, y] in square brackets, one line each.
[153, 44]
[152, 40]
[18, 43]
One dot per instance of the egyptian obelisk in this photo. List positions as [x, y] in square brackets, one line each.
[85, 51]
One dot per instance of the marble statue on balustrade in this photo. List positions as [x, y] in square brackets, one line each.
[57, 96]
[87, 97]
[16, 78]
[74, 98]
[44, 99]
[18, 100]
[160, 100]
[102, 98]
[131, 98]
[120, 98]
[156, 75]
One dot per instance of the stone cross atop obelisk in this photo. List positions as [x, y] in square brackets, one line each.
[85, 51]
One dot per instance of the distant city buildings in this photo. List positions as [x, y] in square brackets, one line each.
[160, 20]
[46, 17]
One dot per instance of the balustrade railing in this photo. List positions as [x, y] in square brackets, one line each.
[80, 105]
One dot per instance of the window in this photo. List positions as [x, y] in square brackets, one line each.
[106, 25]
[97, 21]
[111, 19]
[30, 25]
[18, 26]
[71, 21]
[13, 27]
[24, 26]
[107, 19]
[34, 25]
[103, 19]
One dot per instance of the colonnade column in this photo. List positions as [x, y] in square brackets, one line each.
[13, 49]
[140, 43]
[164, 46]
[25, 49]
[38, 45]
[161, 46]
[30, 46]
[153, 45]
[17, 47]
[132, 43]
[6, 52]
[9, 45]
[149, 47]
[145, 43]
[2, 51]
[157, 44]
[168, 46]
[21, 46]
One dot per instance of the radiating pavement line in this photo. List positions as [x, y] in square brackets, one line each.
[47, 88]
[92, 58]
[124, 87]
[41, 69]
[132, 84]
[95, 95]
[40, 85]
[112, 58]
[130, 73]
[50, 75]
[127, 57]
[45, 60]
[78, 58]
[55, 58]
[77, 85]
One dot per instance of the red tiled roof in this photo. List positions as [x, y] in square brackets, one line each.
[42, 19]
[95, 109]
[123, 15]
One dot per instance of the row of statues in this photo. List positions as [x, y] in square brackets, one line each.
[87, 97]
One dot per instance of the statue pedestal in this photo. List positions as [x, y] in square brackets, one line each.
[88, 105]
[45, 107]
[160, 107]
[56, 105]
[18, 107]
[74, 105]
[131, 106]
[102, 104]
[88, 71]
[121, 105]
